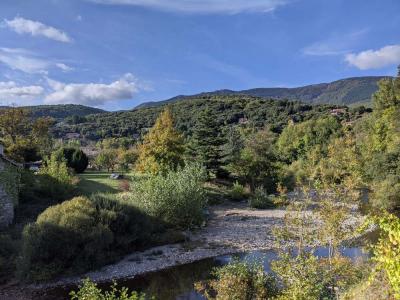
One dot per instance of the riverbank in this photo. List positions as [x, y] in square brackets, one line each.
[231, 228]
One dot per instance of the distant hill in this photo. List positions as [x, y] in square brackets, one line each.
[349, 91]
[61, 111]
[229, 110]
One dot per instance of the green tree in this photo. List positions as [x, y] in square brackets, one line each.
[24, 138]
[207, 141]
[75, 158]
[107, 159]
[162, 148]
[126, 158]
[256, 164]
[297, 140]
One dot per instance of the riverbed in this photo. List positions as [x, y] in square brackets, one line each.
[177, 283]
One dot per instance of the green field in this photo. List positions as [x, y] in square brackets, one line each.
[92, 182]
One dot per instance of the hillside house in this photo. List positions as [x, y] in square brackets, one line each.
[338, 111]
[7, 182]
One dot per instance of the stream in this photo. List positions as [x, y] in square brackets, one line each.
[176, 283]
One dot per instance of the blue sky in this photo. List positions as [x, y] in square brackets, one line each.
[115, 54]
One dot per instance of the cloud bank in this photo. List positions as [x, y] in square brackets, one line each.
[92, 94]
[34, 28]
[203, 6]
[375, 59]
[9, 90]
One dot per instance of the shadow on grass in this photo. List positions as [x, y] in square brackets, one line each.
[87, 187]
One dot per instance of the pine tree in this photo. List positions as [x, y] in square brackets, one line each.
[207, 142]
[162, 148]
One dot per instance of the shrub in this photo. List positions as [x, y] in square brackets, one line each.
[178, 198]
[131, 227]
[65, 236]
[238, 192]
[387, 193]
[386, 251]
[90, 291]
[261, 199]
[8, 252]
[54, 177]
[238, 280]
[81, 234]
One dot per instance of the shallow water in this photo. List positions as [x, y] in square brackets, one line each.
[176, 283]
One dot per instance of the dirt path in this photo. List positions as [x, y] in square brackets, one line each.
[232, 227]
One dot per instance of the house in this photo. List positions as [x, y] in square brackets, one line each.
[7, 200]
[243, 120]
[338, 111]
[72, 136]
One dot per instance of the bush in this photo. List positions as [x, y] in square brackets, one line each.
[8, 253]
[178, 198]
[75, 158]
[261, 200]
[54, 178]
[386, 193]
[90, 291]
[81, 234]
[41, 188]
[239, 280]
[238, 192]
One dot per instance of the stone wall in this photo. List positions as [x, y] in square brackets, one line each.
[6, 204]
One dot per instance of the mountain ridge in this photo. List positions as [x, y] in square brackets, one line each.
[346, 91]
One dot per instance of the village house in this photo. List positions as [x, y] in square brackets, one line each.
[338, 111]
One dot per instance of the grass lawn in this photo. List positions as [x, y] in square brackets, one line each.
[92, 182]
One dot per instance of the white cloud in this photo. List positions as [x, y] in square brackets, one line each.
[64, 67]
[93, 94]
[336, 44]
[22, 60]
[21, 26]
[28, 62]
[375, 59]
[9, 90]
[203, 6]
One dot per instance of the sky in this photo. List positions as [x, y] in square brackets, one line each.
[116, 54]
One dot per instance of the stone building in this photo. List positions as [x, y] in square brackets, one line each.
[6, 201]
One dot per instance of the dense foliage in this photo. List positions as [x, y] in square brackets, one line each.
[89, 291]
[81, 234]
[387, 251]
[25, 139]
[162, 148]
[207, 141]
[54, 177]
[228, 110]
[75, 159]
[238, 280]
[177, 197]
[60, 111]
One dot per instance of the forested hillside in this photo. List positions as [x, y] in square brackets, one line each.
[61, 111]
[229, 109]
[356, 91]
